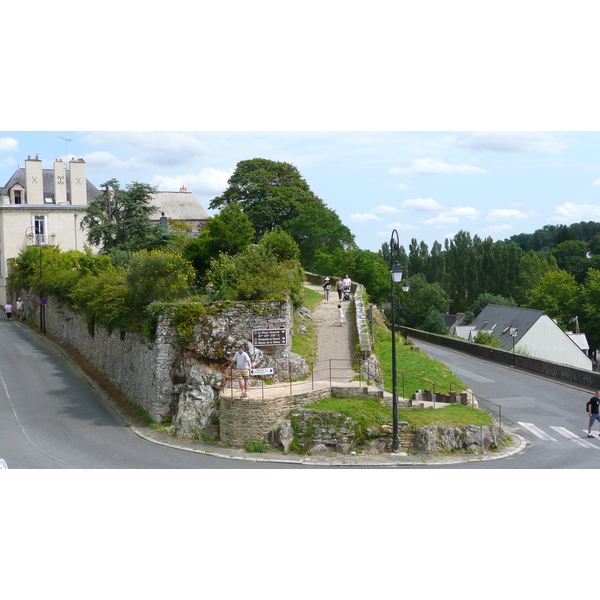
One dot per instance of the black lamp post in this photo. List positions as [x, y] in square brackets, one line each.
[396, 273]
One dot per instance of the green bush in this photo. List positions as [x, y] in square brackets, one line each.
[255, 274]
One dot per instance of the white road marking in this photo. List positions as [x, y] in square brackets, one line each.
[16, 416]
[573, 436]
[537, 431]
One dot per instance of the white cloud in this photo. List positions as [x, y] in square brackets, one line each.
[576, 212]
[422, 204]
[496, 229]
[454, 215]
[207, 182]
[434, 166]
[507, 141]
[363, 217]
[597, 182]
[8, 144]
[507, 213]
[102, 160]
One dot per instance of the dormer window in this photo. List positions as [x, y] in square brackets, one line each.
[17, 195]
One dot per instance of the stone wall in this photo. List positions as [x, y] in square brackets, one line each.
[244, 420]
[166, 380]
[140, 369]
[589, 379]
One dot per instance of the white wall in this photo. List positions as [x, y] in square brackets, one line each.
[15, 221]
[546, 340]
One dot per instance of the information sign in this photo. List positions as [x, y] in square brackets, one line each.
[275, 336]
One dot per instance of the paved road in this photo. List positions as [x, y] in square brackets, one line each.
[549, 414]
[51, 417]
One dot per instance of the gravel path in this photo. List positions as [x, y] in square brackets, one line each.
[335, 342]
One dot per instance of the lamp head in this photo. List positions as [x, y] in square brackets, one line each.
[397, 273]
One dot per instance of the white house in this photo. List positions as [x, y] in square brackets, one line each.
[42, 207]
[533, 333]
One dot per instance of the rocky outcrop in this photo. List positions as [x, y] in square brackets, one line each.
[318, 431]
[196, 406]
[466, 438]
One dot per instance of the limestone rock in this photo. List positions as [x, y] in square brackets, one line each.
[286, 435]
[318, 449]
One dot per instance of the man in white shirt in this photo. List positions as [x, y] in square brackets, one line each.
[243, 366]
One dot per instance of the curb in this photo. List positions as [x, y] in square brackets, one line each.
[372, 460]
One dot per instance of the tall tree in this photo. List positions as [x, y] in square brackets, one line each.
[269, 192]
[557, 294]
[274, 195]
[117, 219]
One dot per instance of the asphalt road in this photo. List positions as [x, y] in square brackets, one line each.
[550, 415]
[52, 417]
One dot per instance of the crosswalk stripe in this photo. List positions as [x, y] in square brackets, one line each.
[537, 432]
[562, 431]
[573, 436]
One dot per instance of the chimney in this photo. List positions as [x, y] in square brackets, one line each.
[77, 182]
[60, 181]
[34, 181]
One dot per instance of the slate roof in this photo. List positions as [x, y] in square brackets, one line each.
[580, 339]
[500, 319]
[48, 184]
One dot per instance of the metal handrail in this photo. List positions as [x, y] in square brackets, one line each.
[288, 377]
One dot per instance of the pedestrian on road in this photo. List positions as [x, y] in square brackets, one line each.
[20, 309]
[326, 288]
[339, 286]
[341, 315]
[243, 366]
[8, 309]
[593, 411]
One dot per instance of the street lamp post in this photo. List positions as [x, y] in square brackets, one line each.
[396, 273]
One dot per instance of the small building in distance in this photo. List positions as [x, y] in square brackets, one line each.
[533, 333]
[179, 206]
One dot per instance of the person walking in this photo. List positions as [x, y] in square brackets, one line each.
[347, 283]
[339, 286]
[593, 412]
[326, 288]
[341, 315]
[8, 309]
[243, 366]
[19, 309]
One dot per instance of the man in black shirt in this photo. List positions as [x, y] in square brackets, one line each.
[593, 412]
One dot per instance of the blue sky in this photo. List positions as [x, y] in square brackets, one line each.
[427, 185]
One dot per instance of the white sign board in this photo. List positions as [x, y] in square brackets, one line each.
[264, 371]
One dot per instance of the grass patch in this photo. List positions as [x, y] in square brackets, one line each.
[370, 413]
[415, 370]
[306, 345]
[259, 446]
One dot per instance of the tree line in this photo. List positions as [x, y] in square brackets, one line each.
[270, 226]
